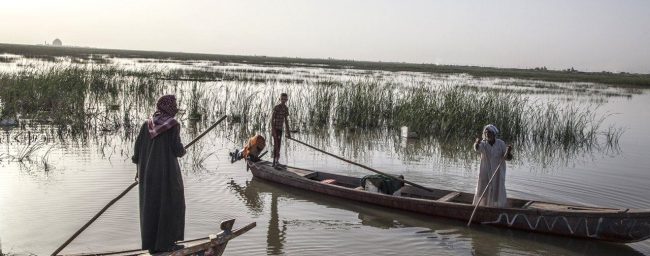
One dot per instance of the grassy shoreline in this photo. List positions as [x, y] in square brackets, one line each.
[617, 79]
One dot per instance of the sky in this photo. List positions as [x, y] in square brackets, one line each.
[586, 35]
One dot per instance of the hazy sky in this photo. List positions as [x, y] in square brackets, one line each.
[588, 35]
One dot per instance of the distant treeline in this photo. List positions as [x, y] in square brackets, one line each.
[568, 75]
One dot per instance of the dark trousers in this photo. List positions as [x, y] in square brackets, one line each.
[277, 141]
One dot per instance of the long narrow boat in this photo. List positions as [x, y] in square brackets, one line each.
[213, 245]
[606, 224]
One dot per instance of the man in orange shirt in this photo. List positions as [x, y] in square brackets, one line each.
[251, 150]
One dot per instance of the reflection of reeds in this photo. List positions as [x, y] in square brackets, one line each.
[612, 136]
[28, 150]
[45, 159]
[27, 153]
[198, 160]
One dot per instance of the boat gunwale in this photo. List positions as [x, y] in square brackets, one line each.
[621, 213]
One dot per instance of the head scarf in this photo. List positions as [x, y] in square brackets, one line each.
[491, 128]
[163, 119]
[167, 106]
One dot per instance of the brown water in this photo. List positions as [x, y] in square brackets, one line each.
[44, 201]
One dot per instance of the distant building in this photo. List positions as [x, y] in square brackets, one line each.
[57, 42]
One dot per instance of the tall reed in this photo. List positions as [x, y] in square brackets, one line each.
[78, 95]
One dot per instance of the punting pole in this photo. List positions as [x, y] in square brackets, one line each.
[362, 166]
[471, 217]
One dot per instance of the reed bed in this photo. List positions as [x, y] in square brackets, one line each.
[449, 113]
[320, 105]
[89, 99]
[365, 104]
[33, 92]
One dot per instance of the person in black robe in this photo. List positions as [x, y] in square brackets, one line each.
[162, 199]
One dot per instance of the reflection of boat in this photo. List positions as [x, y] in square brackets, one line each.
[213, 245]
[607, 224]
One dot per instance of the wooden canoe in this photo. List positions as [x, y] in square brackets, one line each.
[605, 224]
[213, 245]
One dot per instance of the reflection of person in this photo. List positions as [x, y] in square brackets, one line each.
[493, 154]
[162, 200]
[279, 118]
[275, 235]
[251, 150]
[250, 194]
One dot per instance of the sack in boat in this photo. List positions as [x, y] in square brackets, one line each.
[385, 184]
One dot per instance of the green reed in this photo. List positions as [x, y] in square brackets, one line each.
[454, 113]
[83, 94]
[32, 92]
[72, 95]
[365, 104]
[319, 105]
[196, 102]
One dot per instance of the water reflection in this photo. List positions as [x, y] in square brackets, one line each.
[359, 145]
[276, 234]
[251, 195]
[444, 234]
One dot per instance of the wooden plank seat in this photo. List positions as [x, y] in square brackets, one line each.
[449, 197]
[304, 173]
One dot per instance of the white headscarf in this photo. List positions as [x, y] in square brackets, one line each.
[492, 128]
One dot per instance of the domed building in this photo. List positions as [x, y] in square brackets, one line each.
[57, 42]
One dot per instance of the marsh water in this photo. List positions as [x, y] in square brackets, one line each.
[55, 177]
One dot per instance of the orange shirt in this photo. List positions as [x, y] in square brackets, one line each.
[254, 146]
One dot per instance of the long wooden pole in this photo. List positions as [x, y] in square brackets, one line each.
[361, 165]
[67, 242]
[485, 190]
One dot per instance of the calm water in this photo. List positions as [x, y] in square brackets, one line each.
[44, 200]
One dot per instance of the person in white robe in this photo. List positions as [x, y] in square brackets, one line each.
[494, 153]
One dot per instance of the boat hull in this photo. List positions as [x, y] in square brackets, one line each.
[606, 224]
